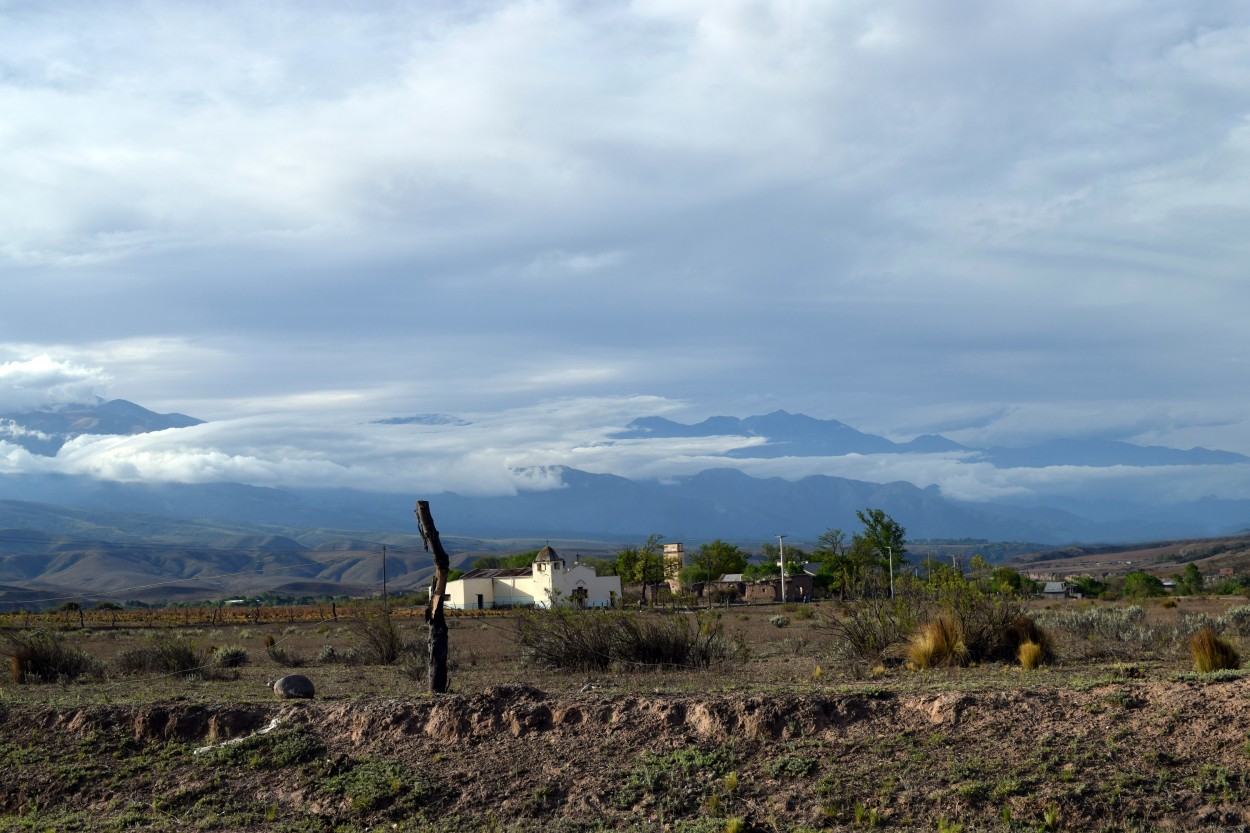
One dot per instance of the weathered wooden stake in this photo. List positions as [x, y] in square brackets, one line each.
[434, 611]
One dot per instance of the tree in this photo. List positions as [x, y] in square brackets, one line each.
[881, 537]
[713, 560]
[1089, 587]
[1189, 582]
[645, 565]
[1139, 584]
[771, 564]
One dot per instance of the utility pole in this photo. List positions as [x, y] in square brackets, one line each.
[386, 602]
[781, 554]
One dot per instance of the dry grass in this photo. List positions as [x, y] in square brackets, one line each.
[1212, 653]
[1030, 655]
[938, 642]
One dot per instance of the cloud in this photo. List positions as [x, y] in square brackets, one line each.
[42, 382]
[1006, 221]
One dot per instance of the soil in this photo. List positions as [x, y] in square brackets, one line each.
[777, 745]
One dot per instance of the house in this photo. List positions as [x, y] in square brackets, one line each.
[546, 582]
[1057, 590]
[798, 588]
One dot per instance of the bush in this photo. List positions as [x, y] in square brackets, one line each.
[1212, 653]
[875, 626]
[172, 656]
[1108, 632]
[44, 657]
[939, 642]
[231, 656]
[280, 655]
[380, 640]
[1236, 620]
[779, 621]
[986, 622]
[597, 641]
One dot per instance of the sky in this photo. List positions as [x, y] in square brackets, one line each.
[1002, 222]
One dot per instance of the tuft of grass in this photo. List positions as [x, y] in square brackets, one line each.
[1030, 655]
[938, 642]
[1212, 653]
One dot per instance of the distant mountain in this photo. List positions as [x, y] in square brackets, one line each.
[782, 434]
[1103, 453]
[44, 432]
[423, 419]
[785, 434]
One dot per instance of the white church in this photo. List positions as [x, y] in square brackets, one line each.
[545, 583]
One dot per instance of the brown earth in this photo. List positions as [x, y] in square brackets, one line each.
[781, 744]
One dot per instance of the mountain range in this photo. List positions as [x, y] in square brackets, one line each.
[47, 518]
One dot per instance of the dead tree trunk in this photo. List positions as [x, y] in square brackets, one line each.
[434, 611]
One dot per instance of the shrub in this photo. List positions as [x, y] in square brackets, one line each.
[1212, 653]
[584, 640]
[380, 640]
[779, 621]
[986, 622]
[939, 642]
[1030, 655]
[44, 657]
[875, 626]
[168, 656]
[231, 656]
[1107, 632]
[1236, 620]
[280, 655]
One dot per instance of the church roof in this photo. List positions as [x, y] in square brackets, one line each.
[547, 554]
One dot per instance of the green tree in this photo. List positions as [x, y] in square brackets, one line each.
[882, 542]
[713, 560]
[1089, 587]
[1189, 582]
[645, 565]
[1139, 584]
[837, 572]
[796, 557]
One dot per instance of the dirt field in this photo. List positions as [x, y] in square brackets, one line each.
[788, 741]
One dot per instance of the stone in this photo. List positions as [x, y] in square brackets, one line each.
[293, 686]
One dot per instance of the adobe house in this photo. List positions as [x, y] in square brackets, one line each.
[769, 590]
[548, 581]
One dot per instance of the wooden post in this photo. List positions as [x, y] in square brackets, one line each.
[434, 611]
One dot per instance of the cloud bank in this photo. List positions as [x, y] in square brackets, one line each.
[1001, 222]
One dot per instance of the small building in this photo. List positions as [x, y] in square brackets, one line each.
[545, 583]
[798, 588]
[1057, 590]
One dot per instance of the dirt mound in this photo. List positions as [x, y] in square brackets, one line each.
[1134, 753]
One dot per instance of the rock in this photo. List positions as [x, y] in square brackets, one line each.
[293, 686]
